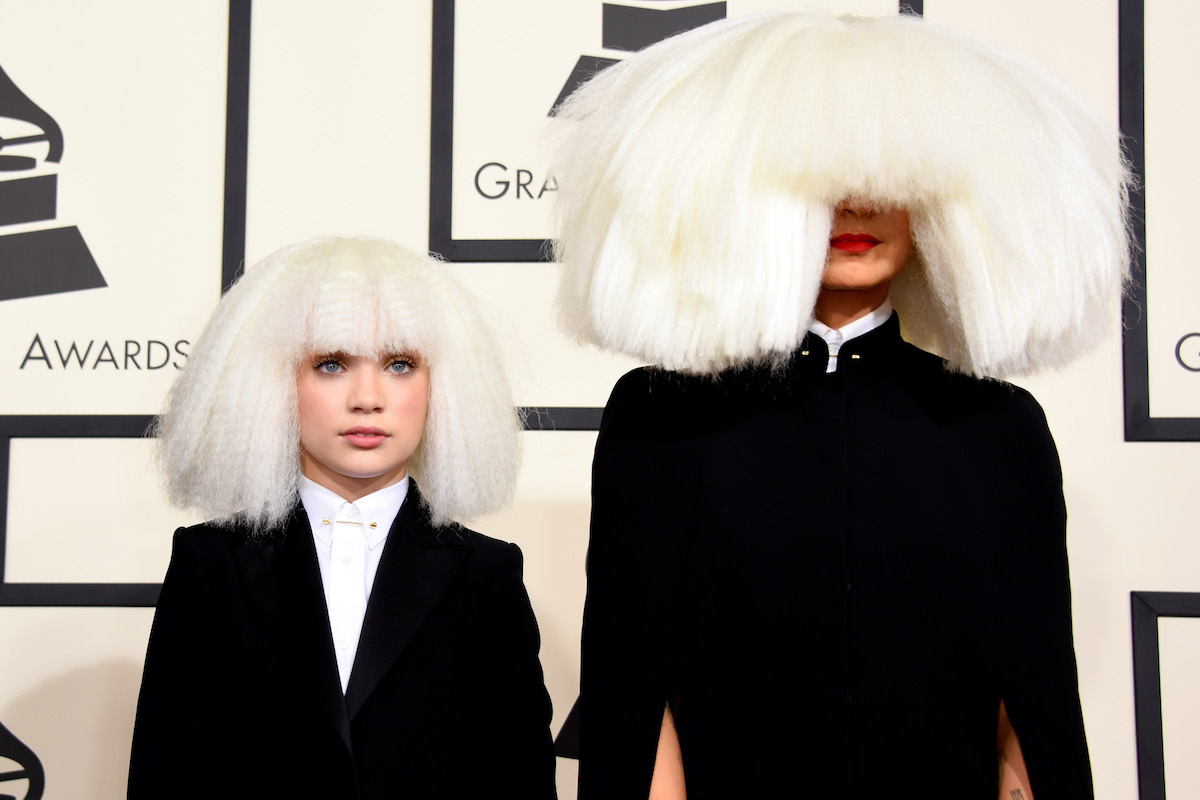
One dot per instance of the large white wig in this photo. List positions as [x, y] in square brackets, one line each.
[697, 183]
[229, 437]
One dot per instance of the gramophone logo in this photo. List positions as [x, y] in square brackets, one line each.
[39, 260]
[630, 28]
[28, 769]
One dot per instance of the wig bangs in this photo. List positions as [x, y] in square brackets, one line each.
[366, 314]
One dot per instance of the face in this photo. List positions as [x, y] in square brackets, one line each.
[867, 247]
[361, 418]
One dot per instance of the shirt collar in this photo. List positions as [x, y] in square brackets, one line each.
[381, 507]
[851, 330]
[836, 339]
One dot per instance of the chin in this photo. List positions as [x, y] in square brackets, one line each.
[851, 285]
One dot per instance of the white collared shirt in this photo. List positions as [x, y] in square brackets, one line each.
[377, 511]
[851, 330]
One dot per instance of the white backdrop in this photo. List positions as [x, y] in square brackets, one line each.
[339, 143]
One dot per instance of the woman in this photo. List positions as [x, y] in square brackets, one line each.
[824, 562]
[333, 632]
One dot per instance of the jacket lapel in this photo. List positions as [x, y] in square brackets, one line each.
[417, 565]
[285, 581]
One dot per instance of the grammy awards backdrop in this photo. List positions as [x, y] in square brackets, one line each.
[149, 150]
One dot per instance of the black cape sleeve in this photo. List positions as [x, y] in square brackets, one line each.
[630, 616]
[1039, 681]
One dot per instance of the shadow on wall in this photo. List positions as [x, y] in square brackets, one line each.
[79, 724]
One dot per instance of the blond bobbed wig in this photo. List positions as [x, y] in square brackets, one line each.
[229, 437]
[698, 180]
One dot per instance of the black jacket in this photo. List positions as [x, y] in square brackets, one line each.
[241, 698]
[834, 580]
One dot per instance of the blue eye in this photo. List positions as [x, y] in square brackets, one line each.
[329, 366]
[401, 366]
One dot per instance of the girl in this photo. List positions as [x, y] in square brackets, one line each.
[333, 632]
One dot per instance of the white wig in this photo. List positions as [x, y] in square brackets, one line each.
[698, 180]
[229, 437]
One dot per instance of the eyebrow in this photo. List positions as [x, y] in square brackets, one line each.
[384, 355]
[322, 355]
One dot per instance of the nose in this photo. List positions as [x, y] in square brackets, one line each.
[366, 390]
[856, 208]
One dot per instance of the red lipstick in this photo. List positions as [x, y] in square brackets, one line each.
[853, 242]
[364, 437]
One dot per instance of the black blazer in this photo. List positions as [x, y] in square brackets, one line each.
[241, 698]
[833, 579]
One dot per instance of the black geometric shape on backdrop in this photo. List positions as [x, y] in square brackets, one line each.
[14, 104]
[107, 426]
[560, 418]
[237, 142]
[28, 199]
[630, 29]
[585, 68]
[31, 770]
[1140, 426]
[566, 744]
[118, 426]
[652, 26]
[441, 163]
[38, 263]
[105, 595]
[1145, 610]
